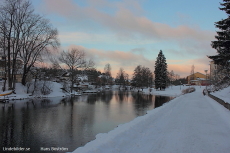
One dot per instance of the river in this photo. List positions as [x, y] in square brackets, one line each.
[71, 122]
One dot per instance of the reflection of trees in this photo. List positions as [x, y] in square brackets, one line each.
[17, 126]
[92, 98]
[43, 125]
[45, 102]
[160, 100]
[7, 128]
[141, 103]
[106, 96]
[69, 100]
[121, 96]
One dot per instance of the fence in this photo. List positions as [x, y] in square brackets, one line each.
[220, 101]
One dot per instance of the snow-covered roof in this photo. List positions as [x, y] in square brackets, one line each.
[201, 79]
[83, 77]
[100, 76]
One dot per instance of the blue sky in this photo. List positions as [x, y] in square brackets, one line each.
[127, 33]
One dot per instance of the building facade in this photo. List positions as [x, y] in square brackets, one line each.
[198, 79]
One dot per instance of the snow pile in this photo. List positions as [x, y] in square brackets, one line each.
[223, 94]
[189, 123]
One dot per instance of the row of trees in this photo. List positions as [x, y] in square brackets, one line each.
[24, 37]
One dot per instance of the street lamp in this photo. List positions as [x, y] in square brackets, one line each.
[206, 79]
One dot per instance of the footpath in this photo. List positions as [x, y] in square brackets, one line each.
[187, 124]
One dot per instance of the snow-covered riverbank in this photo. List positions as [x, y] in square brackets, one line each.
[189, 123]
[20, 92]
[223, 94]
[173, 91]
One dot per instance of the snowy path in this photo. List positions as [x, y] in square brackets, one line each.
[189, 123]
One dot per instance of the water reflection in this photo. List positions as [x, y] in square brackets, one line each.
[70, 122]
[121, 96]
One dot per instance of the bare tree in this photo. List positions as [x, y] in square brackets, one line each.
[107, 71]
[122, 78]
[12, 15]
[37, 42]
[142, 77]
[171, 77]
[75, 59]
[24, 35]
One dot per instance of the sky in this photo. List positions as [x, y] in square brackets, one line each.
[128, 33]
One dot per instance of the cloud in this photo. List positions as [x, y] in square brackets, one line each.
[123, 22]
[139, 50]
[129, 61]
[116, 58]
[82, 37]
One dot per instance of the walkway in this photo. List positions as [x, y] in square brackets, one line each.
[190, 123]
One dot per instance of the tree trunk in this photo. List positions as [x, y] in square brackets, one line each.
[24, 75]
[9, 66]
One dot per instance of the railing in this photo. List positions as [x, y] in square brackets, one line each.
[220, 101]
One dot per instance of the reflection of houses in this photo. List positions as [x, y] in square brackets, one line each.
[198, 79]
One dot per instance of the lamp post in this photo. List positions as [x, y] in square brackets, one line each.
[206, 79]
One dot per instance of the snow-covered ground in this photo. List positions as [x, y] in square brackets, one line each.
[223, 94]
[170, 91]
[189, 123]
[21, 92]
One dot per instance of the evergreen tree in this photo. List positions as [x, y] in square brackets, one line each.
[222, 44]
[160, 71]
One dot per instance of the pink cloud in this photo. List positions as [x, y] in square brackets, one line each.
[128, 25]
[117, 59]
[129, 60]
[125, 23]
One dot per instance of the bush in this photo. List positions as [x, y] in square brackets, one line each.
[188, 90]
[46, 88]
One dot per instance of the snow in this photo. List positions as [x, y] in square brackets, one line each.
[21, 92]
[223, 94]
[189, 123]
[170, 91]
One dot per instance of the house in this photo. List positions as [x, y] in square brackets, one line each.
[63, 77]
[216, 72]
[2, 68]
[18, 73]
[198, 79]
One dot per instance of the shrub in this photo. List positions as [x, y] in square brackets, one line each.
[188, 90]
[46, 88]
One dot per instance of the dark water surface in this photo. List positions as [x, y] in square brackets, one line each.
[69, 122]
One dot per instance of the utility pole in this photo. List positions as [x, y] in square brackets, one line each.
[206, 79]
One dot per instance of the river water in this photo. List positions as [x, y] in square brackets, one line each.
[71, 122]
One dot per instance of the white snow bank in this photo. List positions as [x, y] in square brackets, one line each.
[189, 123]
[170, 91]
[223, 94]
[20, 91]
